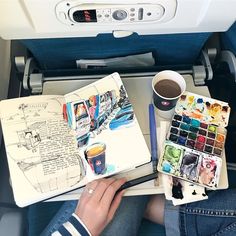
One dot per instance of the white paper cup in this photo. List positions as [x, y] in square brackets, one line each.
[167, 87]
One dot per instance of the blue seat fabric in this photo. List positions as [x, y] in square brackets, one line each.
[61, 53]
[228, 39]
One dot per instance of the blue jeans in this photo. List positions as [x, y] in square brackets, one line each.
[61, 217]
[215, 216]
[126, 221]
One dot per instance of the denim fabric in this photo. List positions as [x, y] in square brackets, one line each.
[40, 214]
[126, 221]
[213, 217]
[61, 217]
[128, 217]
[171, 219]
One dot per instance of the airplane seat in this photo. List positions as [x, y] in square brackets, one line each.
[228, 39]
[169, 51]
[228, 73]
[35, 27]
[225, 79]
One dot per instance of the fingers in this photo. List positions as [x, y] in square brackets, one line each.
[99, 199]
[114, 205]
[110, 192]
[88, 191]
[101, 188]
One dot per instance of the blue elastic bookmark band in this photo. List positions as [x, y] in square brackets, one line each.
[153, 134]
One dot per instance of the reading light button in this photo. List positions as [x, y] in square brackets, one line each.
[140, 13]
[119, 14]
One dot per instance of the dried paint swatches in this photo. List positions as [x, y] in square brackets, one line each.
[192, 133]
[204, 109]
[191, 165]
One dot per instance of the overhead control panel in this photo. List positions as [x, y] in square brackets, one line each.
[22, 19]
[74, 14]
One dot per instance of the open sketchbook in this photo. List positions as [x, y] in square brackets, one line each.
[55, 144]
[150, 187]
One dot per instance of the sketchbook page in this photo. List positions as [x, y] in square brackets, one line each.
[152, 186]
[149, 187]
[42, 155]
[107, 131]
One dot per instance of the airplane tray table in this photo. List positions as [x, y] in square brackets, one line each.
[139, 90]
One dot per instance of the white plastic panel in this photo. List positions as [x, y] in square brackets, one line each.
[54, 18]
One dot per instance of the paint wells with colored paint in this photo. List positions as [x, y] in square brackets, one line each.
[192, 133]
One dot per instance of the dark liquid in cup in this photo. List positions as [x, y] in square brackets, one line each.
[167, 88]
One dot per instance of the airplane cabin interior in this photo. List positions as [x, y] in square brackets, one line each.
[57, 46]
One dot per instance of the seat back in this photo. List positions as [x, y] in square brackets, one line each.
[228, 39]
[62, 53]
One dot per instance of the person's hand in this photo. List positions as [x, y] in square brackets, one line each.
[98, 203]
